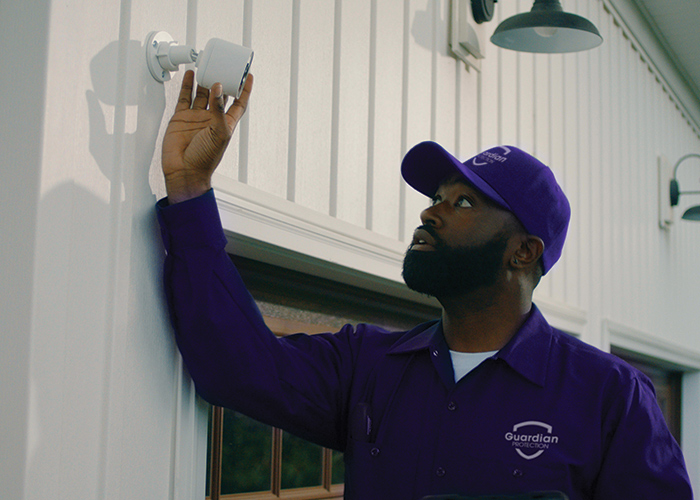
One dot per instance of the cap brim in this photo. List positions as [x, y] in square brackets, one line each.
[428, 164]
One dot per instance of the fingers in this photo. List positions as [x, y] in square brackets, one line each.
[239, 105]
[201, 99]
[217, 99]
[185, 99]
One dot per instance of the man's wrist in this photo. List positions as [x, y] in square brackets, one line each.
[181, 189]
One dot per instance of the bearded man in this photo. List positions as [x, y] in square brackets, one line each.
[489, 399]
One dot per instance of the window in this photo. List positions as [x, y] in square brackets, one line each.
[667, 382]
[248, 460]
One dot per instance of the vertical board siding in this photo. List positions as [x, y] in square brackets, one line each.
[444, 79]
[506, 105]
[344, 89]
[386, 147]
[271, 28]
[314, 105]
[353, 111]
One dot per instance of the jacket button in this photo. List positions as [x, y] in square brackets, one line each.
[435, 353]
[452, 406]
[374, 452]
[439, 472]
[517, 473]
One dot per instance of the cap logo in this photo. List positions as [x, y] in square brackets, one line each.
[491, 157]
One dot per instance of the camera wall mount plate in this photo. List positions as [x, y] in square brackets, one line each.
[153, 43]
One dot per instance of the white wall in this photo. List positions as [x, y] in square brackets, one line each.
[94, 401]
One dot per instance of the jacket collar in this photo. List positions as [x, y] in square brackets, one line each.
[527, 352]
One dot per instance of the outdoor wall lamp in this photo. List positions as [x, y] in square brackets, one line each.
[693, 213]
[220, 61]
[546, 29]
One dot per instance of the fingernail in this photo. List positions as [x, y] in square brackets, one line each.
[218, 90]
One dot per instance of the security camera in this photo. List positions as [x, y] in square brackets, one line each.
[220, 61]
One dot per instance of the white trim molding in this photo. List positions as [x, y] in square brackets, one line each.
[567, 318]
[270, 229]
[648, 345]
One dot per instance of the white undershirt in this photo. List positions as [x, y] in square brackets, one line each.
[464, 362]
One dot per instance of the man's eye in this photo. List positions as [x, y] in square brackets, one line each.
[463, 202]
[435, 201]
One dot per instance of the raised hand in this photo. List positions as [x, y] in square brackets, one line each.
[197, 136]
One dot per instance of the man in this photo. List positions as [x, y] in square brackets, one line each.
[487, 400]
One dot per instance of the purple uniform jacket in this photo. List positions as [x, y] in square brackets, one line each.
[547, 412]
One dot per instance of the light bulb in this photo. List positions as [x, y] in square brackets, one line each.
[546, 31]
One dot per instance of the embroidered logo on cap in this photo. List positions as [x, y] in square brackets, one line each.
[491, 157]
[531, 436]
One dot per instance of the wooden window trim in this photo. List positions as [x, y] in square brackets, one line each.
[280, 327]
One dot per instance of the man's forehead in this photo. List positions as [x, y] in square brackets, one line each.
[456, 179]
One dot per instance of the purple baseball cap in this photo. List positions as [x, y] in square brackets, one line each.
[514, 179]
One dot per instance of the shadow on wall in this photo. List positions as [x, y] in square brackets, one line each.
[100, 301]
[147, 98]
[425, 24]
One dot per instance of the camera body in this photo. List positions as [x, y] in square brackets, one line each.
[224, 62]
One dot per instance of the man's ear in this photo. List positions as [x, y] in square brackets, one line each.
[528, 252]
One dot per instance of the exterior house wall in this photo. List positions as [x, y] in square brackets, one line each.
[99, 406]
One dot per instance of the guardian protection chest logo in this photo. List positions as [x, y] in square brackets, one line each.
[531, 438]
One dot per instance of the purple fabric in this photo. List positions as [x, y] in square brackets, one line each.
[547, 412]
[509, 176]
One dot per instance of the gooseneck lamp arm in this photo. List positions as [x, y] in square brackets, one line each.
[675, 191]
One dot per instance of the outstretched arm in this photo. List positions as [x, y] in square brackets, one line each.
[197, 136]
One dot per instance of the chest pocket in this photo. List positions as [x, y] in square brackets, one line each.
[381, 450]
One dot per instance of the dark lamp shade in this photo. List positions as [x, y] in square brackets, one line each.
[547, 32]
[693, 213]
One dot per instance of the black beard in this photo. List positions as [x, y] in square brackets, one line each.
[449, 272]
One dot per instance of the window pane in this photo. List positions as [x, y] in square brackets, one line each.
[338, 468]
[302, 463]
[247, 450]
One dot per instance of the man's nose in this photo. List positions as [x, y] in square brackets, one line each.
[432, 216]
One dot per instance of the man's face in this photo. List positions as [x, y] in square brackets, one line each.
[461, 245]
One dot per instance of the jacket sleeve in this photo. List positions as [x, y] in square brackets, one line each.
[298, 383]
[642, 460]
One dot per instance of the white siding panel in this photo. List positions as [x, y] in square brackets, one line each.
[269, 132]
[525, 110]
[467, 112]
[444, 72]
[353, 112]
[616, 166]
[314, 105]
[488, 95]
[606, 131]
[508, 84]
[386, 150]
